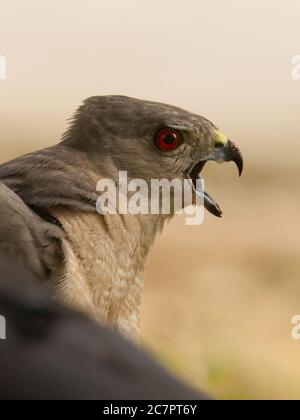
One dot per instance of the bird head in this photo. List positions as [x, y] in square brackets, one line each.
[150, 140]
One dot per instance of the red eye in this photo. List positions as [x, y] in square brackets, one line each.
[168, 139]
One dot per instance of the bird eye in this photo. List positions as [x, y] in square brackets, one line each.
[168, 139]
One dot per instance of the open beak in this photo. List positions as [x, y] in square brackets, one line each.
[224, 152]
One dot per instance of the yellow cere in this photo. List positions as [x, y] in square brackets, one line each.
[221, 138]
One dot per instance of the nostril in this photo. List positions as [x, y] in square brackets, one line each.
[218, 145]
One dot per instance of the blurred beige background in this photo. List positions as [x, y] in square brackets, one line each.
[219, 297]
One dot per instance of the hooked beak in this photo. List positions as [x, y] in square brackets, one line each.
[225, 151]
[233, 154]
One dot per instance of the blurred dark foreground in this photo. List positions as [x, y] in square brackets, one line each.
[51, 352]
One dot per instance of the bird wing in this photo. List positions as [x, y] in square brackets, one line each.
[27, 237]
[56, 176]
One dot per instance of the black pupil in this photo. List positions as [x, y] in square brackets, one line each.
[169, 139]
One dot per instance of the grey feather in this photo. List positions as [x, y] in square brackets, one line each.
[27, 237]
[56, 176]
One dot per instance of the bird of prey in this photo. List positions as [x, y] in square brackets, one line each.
[97, 262]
